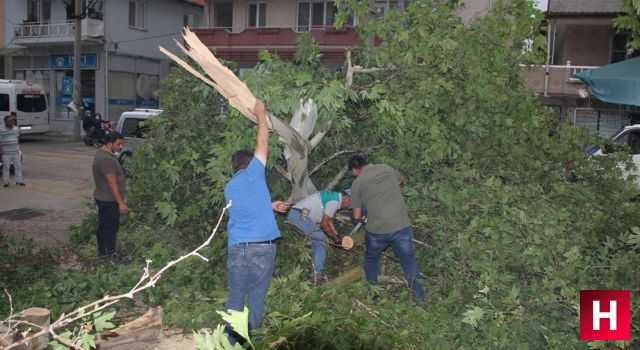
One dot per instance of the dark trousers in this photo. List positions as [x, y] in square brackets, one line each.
[108, 225]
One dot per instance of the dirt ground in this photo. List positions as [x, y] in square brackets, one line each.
[59, 188]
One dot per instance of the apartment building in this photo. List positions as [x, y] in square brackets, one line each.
[121, 63]
[581, 36]
[239, 29]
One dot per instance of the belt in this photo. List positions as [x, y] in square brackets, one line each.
[272, 241]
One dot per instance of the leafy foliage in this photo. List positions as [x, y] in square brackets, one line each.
[508, 241]
[629, 21]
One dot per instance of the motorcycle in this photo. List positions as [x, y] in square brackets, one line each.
[93, 136]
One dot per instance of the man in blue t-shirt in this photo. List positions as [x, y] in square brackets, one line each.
[252, 227]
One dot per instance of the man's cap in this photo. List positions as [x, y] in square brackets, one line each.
[348, 191]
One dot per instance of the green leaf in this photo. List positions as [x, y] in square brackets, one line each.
[101, 322]
[239, 321]
[473, 315]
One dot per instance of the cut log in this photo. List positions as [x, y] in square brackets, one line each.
[348, 242]
[139, 334]
[348, 277]
[40, 317]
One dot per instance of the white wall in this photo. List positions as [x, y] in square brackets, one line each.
[163, 23]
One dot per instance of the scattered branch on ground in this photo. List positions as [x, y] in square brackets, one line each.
[108, 301]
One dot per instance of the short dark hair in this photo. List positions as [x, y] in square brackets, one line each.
[6, 117]
[111, 137]
[357, 162]
[240, 160]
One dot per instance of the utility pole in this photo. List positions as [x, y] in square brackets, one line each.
[76, 70]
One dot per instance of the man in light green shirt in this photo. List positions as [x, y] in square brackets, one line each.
[377, 188]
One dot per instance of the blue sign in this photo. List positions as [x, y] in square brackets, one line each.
[65, 61]
[67, 85]
[64, 100]
[122, 102]
[150, 103]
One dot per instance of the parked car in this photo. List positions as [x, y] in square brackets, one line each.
[131, 126]
[630, 137]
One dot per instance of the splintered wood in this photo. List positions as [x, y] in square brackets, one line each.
[220, 77]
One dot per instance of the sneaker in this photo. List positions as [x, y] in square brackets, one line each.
[20, 184]
[5, 185]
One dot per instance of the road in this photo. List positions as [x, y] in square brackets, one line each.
[59, 182]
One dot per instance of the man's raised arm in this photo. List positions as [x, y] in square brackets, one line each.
[262, 136]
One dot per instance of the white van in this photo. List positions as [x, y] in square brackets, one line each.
[28, 102]
[129, 126]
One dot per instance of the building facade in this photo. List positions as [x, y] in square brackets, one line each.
[581, 36]
[121, 64]
[239, 29]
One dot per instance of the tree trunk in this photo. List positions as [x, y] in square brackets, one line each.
[139, 334]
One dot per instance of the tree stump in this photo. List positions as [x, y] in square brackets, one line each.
[139, 334]
[40, 317]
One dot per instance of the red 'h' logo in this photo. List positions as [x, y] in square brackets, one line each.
[605, 315]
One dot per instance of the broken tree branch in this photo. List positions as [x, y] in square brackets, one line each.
[328, 159]
[107, 301]
[351, 69]
[336, 179]
[369, 310]
[320, 135]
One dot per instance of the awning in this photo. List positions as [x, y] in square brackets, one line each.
[615, 83]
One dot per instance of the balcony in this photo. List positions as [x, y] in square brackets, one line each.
[58, 32]
[559, 81]
[243, 44]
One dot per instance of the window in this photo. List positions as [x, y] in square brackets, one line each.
[190, 20]
[38, 11]
[223, 14]
[257, 14]
[619, 48]
[384, 6]
[137, 14]
[31, 103]
[318, 14]
[4, 102]
[132, 128]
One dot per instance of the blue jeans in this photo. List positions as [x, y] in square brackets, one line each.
[249, 271]
[314, 233]
[400, 242]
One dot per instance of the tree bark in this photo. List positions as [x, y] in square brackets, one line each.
[139, 334]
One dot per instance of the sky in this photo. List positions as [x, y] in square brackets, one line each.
[542, 4]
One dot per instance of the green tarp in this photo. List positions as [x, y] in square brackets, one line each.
[615, 83]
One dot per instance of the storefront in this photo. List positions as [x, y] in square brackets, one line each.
[130, 82]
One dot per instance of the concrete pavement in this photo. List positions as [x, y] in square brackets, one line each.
[59, 182]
